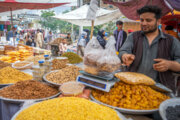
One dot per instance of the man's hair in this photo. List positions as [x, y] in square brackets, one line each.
[119, 23]
[152, 9]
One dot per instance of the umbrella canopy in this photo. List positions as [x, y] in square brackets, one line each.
[171, 19]
[129, 8]
[10, 5]
[78, 16]
[175, 4]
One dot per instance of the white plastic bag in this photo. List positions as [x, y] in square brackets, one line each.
[92, 52]
[109, 62]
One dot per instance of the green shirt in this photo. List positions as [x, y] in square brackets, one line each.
[150, 53]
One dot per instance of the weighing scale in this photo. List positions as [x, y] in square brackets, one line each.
[96, 82]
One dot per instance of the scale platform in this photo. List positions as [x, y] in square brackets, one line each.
[97, 83]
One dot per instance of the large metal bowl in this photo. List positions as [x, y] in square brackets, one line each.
[164, 105]
[52, 83]
[124, 110]
[4, 85]
[17, 113]
[26, 100]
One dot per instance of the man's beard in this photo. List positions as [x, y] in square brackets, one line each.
[154, 28]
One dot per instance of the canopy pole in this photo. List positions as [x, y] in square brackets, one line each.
[92, 29]
[11, 17]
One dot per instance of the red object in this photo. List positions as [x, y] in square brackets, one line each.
[129, 8]
[172, 20]
[10, 5]
[130, 30]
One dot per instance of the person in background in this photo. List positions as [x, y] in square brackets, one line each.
[101, 38]
[63, 46]
[69, 40]
[169, 30]
[28, 39]
[39, 39]
[49, 39]
[81, 44]
[88, 35]
[150, 51]
[10, 34]
[120, 35]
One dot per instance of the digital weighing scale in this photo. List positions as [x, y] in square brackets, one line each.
[96, 82]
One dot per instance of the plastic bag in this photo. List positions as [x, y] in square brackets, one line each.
[92, 52]
[71, 88]
[109, 62]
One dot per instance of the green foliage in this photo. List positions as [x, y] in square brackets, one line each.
[47, 21]
[53, 24]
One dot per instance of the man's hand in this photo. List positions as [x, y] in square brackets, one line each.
[128, 59]
[162, 65]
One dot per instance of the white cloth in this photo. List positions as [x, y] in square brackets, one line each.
[82, 42]
[39, 40]
[62, 48]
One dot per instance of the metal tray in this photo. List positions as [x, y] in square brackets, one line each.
[15, 115]
[52, 83]
[109, 77]
[4, 85]
[124, 110]
[163, 106]
[25, 100]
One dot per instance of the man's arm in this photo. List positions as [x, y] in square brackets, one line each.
[174, 64]
[127, 46]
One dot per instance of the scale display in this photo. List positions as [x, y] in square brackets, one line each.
[95, 83]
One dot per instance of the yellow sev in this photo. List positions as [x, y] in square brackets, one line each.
[67, 108]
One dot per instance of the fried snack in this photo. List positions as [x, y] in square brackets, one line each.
[135, 78]
[67, 108]
[29, 89]
[35, 59]
[4, 64]
[59, 63]
[21, 64]
[72, 88]
[139, 97]
[73, 57]
[64, 75]
[91, 70]
[11, 75]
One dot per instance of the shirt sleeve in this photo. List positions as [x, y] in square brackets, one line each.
[127, 46]
[176, 50]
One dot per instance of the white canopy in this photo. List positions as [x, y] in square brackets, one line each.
[78, 16]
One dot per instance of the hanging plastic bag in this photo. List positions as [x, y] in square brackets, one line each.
[92, 53]
[109, 62]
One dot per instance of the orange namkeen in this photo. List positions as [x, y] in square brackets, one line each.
[128, 96]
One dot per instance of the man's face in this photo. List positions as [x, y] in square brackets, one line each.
[119, 27]
[149, 23]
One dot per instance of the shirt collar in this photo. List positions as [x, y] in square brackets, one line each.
[161, 34]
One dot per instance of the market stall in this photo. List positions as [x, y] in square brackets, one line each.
[97, 75]
[170, 22]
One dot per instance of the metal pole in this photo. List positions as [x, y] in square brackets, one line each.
[80, 27]
[11, 17]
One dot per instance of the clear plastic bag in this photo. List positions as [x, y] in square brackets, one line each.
[109, 62]
[92, 52]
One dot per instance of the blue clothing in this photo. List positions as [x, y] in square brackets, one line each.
[10, 34]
